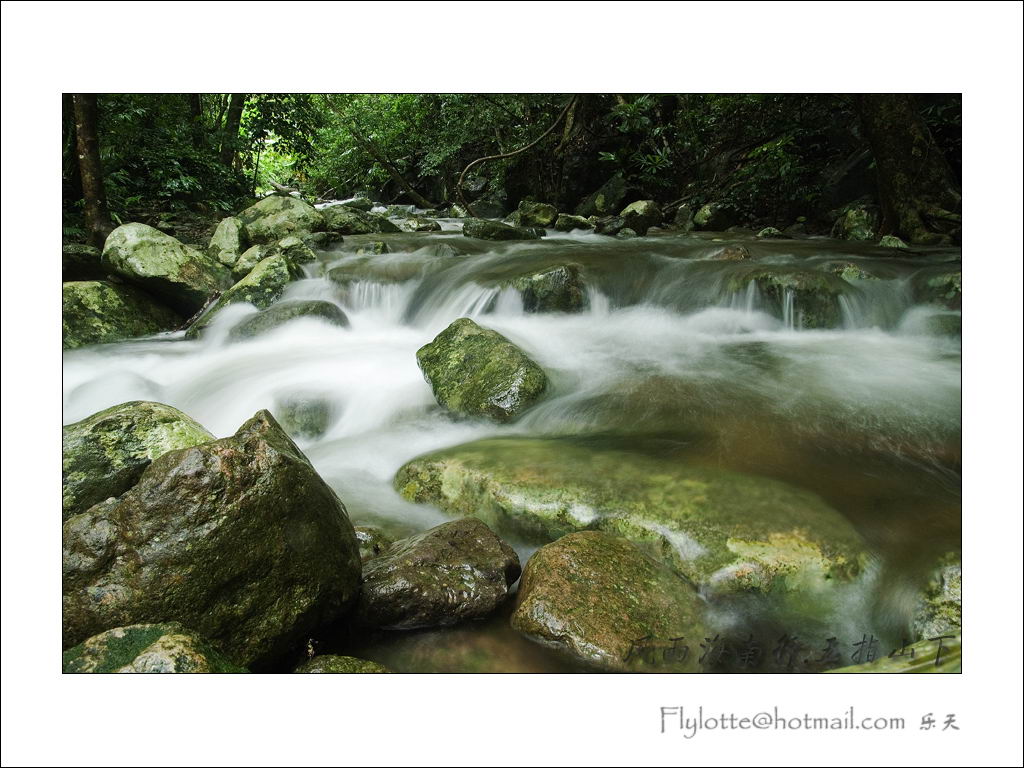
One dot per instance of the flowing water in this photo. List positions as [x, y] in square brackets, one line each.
[666, 354]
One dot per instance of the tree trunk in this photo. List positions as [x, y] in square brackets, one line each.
[195, 108]
[917, 192]
[234, 120]
[97, 219]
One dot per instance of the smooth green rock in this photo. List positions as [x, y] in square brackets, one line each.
[105, 454]
[278, 216]
[641, 216]
[452, 573]
[938, 611]
[922, 657]
[82, 262]
[475, 371]
[725, 531]
[372, 542]
[182, 277]
[567, 223]
[815, 294]
[374, 248]
[603, 602]
[483, 229]
[349, 221]
[97, 312]
[341, 665]
[295, 249]
[239, 539]
[715, 217]
[147, 648]
[249, 259]
[229, 241]
[261, 288]
[286, 311]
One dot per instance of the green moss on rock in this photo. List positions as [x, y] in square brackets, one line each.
[815, 295]
[261, 288]
[341, 665]
[97, 312]
[938, 609]
[555, 289]
[229, 241]
[278, 216]
[641, 216]
[484, 229]
[147, 648]
[349, 221]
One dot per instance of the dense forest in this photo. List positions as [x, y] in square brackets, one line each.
[767, 160]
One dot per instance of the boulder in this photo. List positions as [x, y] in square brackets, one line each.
[82, 262]
[229, 241]
[938, 608]
[815, 295]
[891, 241]
[105, 454]
[249, 259]
[166, 648]
[98, 312]
[725, 531]
[182, 277]
[483, 229]
[493, 206]
[304, 414]
[475, 371]
[372, 542]
[261, 288]
[716, 217]
[419, 224]
[358, 203]
[449, 574]
[533, 214]
[607, 199]
[641, 216]
[278, 216]
[857, 221]
[295, 250]
[601, 601]
[349, 221]
[849, 271]
[286, 311]
[555, 289]
[683, 219]
[770, 233]
[239, 539]
[343, 665]
[567, 223]
[609, 225]
[373, 248]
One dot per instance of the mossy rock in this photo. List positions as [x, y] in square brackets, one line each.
[358, 203]
[925, 656]
[641, 216]
[250, 258]
[278, 216]
[555, 289]
[82, 262]
[229, 241]
[938, 610]
[373, 248]
[261, 288]
[452, 573]
[716, 217]
[340, 665]
[239, 539]
[286, 311]
[97, 312]
[770, 233]
[567, 223]
[939, 285]
[609, 225]
[295, 249]
[533, 214]
[419, 224]
[372, 542]
[349, 221]
[147, 648]
[725, 531]
[475, 371]
[815, 294]
[849, 271]
[606, 200]
[484, 229]
[598, 599]
[182, 277]
[856, 222]
[626, 234]
[891, 241]
[732, 253]
[105, 454]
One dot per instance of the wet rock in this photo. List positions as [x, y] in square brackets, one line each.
[849, 271]
[641, 216]
[304, 414]
[372, 542]
[261, 288]
[940, 285]
[99, 312]
[815, 295]
[358, 203]
[600, 600]
[556, 289]
[419, 224]
[229, 241]
[891, 241]
[295, 250]
[492, 206]
[278, 216]
[716, 217]
[725, 531]
[770, 233]
[286, 311]
[239, 539]
[533, 214]
[341, 665]
[249, 259]
[606, 200]
[475, 371]
[625, 234]
[318, 241]
[857, 221]
[454, 572]
[732, 253]
[147, 648]
[182, 277]
[567, 223]
[938, 610]
[82, 262]
[921, 657]
[349, 221]
[609, 225]
[483, 229]
[373, 248]
[105, 454]
[683, 219]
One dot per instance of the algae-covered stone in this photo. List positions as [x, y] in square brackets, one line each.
[849, 271]
[600, 600]
[229, 241]
[856, 222]
[939, 285]
[556, 289]
[278, 216]
[82, 262]
[457, 571]
[609, 225]
[98, 312]
[372, 542]
[726, 531]
[295, 250]
[182, 276]
[770, 233]
[938, 610]
[714, 216]
[147, 648]
[641, 216]
[814, 295]
[239, 539]
[358, 203]
[483, 229]
[349, 221]
[925, 656]
[732, 253]
[373, 248]
[567, 223]
[891, 241]
[606, 200]
[533, 214]
[626, 234]
[683, 220]
[341, 665]
[286, 311]
[419, 224]
[475, 371]
[304, 414]
[250, 258]
[261, 288]
[105, 454]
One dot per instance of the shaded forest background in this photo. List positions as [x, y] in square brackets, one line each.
[772, 158]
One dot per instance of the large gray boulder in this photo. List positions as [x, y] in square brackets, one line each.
[278, 216]
[229, 241]
[98, 312]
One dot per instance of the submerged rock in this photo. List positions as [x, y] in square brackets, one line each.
[372, 542]
[724, 531]
[814, 295]
[182, 276]
[483, 229]
[98, 312]
[533, 214]
[857, 221]
[938, 611]
[82, 262]
[475, 371]
[849, 271]
[304, 414]
[286, 311]
[342, 665]
[567, 223]
[716, 217]
[229, 241]
[373, 248]
[454, 572]
[349, 221]
[261, 288]
[147, 648]
[278, 216]
[641, 216]
[556, 289]
[105, 454]
[602, 601]
[732, 253]
[238, 538]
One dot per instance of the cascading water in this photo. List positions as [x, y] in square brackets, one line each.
[865, 413]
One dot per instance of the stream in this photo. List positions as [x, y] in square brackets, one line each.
[665, 357]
